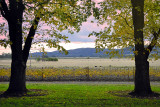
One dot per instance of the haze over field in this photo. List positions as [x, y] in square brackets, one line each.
[81, 63]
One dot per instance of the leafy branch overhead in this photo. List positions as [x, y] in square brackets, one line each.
[27, 21]
[119, 31]
[44, 20]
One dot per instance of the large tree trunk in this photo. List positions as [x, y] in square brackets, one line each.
[14, 15]
[142, 82]
[17, 85]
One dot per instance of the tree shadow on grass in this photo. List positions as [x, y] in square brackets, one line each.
[126, 94]
[30, 93]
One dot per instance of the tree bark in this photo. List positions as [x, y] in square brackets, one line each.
[14, 15]
[142, 81]
[17, 85]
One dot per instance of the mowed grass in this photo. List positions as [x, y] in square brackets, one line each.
[78, 95]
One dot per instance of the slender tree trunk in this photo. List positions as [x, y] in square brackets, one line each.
[142, 82]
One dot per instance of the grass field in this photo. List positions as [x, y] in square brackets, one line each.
[78, 95]
[76, 62]
[81, 69]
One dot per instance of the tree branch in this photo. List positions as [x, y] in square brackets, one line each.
[30, 37]
[3, 14]
[4, 6]
[21, 6]
[32, 31]
[126, 21]
[4, 9]
[152, 44]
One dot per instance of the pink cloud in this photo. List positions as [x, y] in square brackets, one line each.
[92, 26]
[97, 1]
[3, 37]
[2, 20]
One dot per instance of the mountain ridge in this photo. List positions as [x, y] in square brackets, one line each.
[82, 52]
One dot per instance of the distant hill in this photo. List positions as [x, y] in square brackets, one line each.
[81, 52]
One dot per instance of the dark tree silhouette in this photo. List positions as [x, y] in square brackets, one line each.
[125, 19]
[60, 14]
[142, 81]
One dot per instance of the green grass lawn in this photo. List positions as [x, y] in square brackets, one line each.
[75, 95]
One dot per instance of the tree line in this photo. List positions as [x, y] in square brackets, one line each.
[5, 55]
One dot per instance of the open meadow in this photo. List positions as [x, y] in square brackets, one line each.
[80, 62]
[78, 95]
[80, 70]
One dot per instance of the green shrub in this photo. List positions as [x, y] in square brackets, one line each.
[38, 59]
[47, 59]
[50, 59]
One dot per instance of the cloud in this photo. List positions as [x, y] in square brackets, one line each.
[88, 26]
[86, 29]
[97, 1]
[2, 37]
[75, 45]
[86, 37]
[67, 46]
[4, 50]
[2, 20]
[78, 40]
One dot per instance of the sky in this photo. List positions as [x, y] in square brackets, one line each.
[77, 40]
